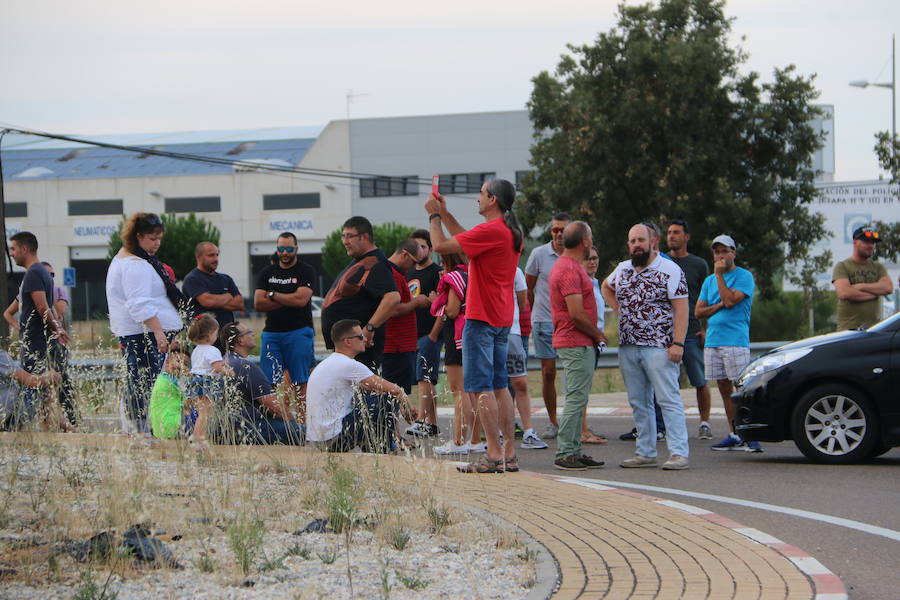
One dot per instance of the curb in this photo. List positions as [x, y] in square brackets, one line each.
[825, 584]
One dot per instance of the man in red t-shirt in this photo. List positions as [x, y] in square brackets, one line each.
[493, 248]
[575, 334]
[398, 364]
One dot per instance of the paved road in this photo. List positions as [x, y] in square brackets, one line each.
[781, 476]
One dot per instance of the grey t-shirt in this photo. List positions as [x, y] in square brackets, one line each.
[695, 271]
[539, 265]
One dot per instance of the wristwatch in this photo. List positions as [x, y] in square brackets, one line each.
[271, 294]
[370, 327]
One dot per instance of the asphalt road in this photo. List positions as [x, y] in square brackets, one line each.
[781, 476]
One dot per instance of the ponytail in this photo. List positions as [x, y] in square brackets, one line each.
[505, 192]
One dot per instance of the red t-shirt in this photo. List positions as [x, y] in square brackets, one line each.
[566, 278]
[492, 270]
[400, 332]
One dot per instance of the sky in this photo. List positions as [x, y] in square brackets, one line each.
[98, 66]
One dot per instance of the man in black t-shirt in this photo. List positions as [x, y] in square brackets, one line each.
[423, 281]
[283, 291]
[695, 271]
[363, 291]
[210, 290]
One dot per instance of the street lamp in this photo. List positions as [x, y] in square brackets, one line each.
[891, 86]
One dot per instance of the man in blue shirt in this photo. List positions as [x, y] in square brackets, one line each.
[210, 290]
[725, 301]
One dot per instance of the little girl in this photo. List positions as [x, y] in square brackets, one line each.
[207, 367]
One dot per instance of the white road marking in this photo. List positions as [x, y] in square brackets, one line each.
[806, 514]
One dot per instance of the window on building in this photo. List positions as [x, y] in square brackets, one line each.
[95, 207]
[194, 204]
[389, 186]
[464, 183]
[15, 209]
[289, 201]
[520, 175]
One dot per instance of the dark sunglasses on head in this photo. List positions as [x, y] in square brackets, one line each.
[152, 220]
[289, 249]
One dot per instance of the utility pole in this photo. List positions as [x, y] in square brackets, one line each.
[4, 274]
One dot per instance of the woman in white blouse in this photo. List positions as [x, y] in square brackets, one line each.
[143, 310]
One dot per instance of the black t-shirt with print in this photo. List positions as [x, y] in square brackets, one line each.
[423, 282]
[275, 278]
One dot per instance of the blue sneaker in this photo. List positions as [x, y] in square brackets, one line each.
[752, 447]
[731, 442]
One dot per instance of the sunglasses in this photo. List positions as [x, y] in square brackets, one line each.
[288, 249]
[358, 336]
[557, 230]
[152, 220]
[869, 235]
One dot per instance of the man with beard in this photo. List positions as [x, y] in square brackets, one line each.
[860, 282]
[651, 296]
[210, 290]
[725, 302]
[282, 292]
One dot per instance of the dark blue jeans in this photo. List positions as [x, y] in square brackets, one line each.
[272, 431]
[143, 362]
[368, 426]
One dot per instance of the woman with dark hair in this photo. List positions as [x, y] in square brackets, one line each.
[143, 311]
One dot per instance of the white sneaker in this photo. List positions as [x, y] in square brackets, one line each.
[451, 448]
[532, 441]
[479, 448]
[551, 432]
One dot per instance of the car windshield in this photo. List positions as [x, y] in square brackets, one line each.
[892, 322]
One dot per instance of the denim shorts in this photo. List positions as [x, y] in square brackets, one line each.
[206, 385]
[542, 332]
[428, 358]
[692, 359]
[484, 357]
[291, 350]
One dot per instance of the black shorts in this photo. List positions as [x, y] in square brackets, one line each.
[452, 355]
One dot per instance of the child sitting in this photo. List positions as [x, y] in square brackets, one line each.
[207, 366]
[167, 405]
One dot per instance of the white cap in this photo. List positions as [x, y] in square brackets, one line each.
[725, 240]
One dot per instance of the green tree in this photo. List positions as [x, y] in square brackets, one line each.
[654, 121]
[888, 159]
[888, 153]
[183, 233]
[387, 237]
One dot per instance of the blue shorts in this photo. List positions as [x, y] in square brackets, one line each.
[542, 332]
[210, 386]
[428, 358]
[291, 350]
[692, 359]
[484, 357]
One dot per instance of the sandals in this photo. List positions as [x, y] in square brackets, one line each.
[483, 465]
[511, 465]
[593, 439]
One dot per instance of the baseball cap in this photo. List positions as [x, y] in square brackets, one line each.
[865, 233]
[725, 240]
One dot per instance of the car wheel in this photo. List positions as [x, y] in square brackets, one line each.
[835, 424]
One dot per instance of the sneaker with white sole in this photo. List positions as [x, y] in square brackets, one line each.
[676, 462]
[638, 462]
[731, 442]
[752, 447]
[480, 448]
[451, 448]
[532, 441]
[423, 429]
[704, 433]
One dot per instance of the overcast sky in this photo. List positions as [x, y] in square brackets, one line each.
[98, 66]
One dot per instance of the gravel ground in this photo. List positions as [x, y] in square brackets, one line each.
[53, 495]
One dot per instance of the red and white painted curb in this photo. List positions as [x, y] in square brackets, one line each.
[826, 585]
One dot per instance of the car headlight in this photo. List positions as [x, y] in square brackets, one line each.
[770, 362]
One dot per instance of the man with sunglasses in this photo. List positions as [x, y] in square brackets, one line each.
[537, 278]
[283, 291]
[860, 282]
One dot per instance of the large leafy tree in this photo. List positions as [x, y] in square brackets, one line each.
[654, 121]
[387, 237]
[183, 233]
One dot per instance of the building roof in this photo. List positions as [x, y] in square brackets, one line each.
[27, 158]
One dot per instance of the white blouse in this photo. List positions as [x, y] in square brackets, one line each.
[135, 293]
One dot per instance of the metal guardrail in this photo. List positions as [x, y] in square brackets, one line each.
[105, 368]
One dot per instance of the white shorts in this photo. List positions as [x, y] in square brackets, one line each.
[725, 362]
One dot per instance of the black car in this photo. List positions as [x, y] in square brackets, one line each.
[837, 395]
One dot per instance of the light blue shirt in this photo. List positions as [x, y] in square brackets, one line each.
[729, 326]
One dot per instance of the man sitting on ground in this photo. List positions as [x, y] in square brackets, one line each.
[261, 418]
[339, 416]
[16, 411]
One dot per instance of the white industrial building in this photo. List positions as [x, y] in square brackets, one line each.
[73, 196]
